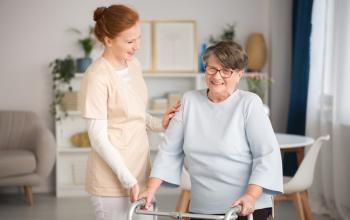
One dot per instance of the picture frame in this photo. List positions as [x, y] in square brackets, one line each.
[175, 47]
[145, 53]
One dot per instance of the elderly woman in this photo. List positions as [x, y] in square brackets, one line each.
[227, 141]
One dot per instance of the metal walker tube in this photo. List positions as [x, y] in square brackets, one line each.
[231, 214]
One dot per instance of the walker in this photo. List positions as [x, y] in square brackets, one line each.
[231, 214]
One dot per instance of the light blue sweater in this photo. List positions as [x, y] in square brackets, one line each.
[226, 145]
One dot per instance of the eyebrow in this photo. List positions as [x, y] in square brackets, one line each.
[131, 39]
[211, 66]
[217, 68]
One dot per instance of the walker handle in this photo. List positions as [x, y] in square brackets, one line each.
[134, 208]
[135, 205]
[234, 211]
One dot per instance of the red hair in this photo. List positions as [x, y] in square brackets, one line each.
[112, 20]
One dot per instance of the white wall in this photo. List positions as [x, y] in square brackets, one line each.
[34, 33]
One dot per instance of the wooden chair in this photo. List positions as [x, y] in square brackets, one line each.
[295, 188]
[184, 200]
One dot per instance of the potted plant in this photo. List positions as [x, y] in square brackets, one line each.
[87, 44]
[258, 84]
[228, 34]
[63, 70]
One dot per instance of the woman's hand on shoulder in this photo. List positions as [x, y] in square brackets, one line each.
[169, 114]
[134, 192]
[247, 202]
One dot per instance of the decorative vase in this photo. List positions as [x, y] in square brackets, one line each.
[201, 61]
[256, 50]
[83, 64]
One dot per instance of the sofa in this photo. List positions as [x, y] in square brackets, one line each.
[27, 151]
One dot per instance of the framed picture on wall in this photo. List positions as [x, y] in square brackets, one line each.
[175, 47]
[144, 54]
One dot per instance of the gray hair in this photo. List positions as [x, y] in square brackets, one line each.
[229, 54]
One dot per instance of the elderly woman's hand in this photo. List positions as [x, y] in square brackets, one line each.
[152, 185]
[148, 194]
[248, 200]
[248, 204]
[170, 114]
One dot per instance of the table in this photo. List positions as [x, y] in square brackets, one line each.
[294, 143]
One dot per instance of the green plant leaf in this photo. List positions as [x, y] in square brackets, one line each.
[63, 71]
[86, 43]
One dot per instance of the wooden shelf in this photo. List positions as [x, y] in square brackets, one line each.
[176, 75]
[79, 75]
[155, 112]
[76, 113]
[169, 75]
[74, 150]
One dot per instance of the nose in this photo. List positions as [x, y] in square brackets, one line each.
[136, 45]
[217, 75]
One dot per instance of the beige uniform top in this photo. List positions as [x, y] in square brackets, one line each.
[104, 95]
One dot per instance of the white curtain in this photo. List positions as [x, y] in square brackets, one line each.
[328, 110]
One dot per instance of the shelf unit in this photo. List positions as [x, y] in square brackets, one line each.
[71, 160]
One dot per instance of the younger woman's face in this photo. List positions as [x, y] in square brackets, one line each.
[126, 43]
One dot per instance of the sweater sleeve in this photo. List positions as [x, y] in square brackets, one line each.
[97, 130]
[154, 123]
[267, 163]
[169, 160]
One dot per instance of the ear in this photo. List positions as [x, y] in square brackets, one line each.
[240, 73]
[108, 41]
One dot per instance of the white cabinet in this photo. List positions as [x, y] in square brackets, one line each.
[71, 160]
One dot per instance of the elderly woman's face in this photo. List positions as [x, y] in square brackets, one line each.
[220, 80]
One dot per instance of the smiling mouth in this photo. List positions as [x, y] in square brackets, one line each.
[217, 83]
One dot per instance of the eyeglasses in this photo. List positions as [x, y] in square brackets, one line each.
[224, 73]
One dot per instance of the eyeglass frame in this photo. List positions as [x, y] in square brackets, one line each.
[218, 70]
